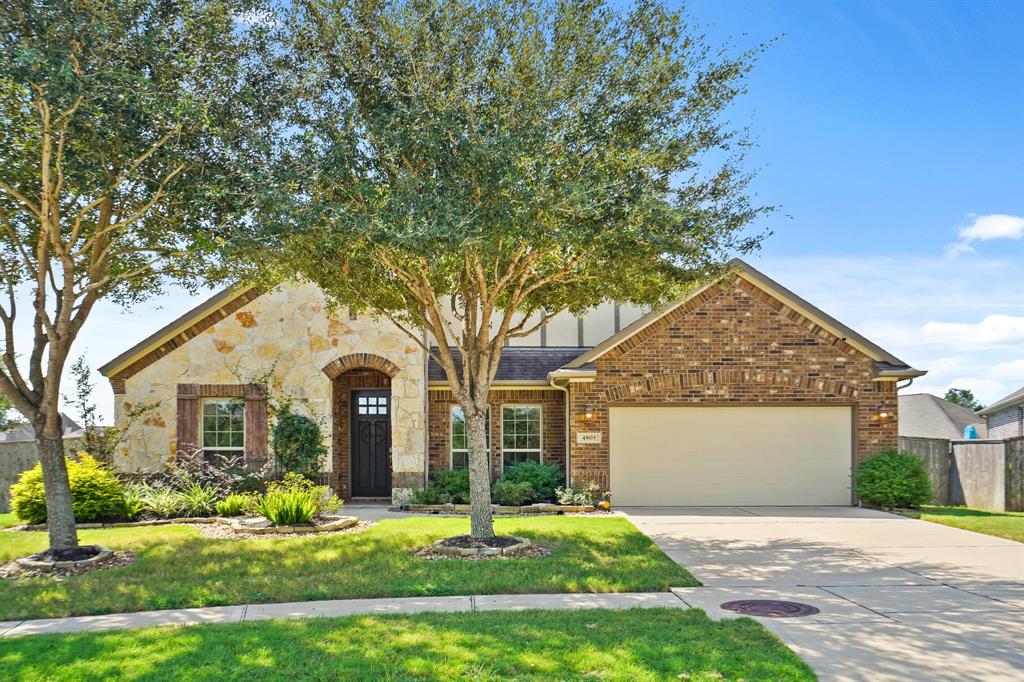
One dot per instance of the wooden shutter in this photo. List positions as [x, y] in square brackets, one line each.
[255, 425]
[188, 417]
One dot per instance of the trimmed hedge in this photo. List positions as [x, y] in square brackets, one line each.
[894, 479]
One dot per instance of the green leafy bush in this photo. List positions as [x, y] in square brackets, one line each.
[287, 507]
[454, 484]
[133, 507]
[159, 500]
[234, 505]
[198, 500]
[298, 443]
[96, 493]
[512, 494]
[430, 494]
[577, 497]
[542, 478]
[325, 501]
[894, 479]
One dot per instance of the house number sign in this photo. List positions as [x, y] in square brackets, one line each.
[587, 437]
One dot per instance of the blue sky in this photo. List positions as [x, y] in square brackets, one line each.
[891, 136]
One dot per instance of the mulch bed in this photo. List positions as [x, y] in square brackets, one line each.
[467, 542]
[12, 570]
[531, 552]
[223, 532]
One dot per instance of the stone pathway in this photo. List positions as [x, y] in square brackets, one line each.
[340, 607]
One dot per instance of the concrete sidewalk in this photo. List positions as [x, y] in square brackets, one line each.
[340, 607]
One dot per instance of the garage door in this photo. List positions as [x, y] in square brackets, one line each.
[730, 455]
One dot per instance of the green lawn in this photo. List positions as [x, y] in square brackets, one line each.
[1009, 525]
[177, 567]
[636, 644]
[8, 520]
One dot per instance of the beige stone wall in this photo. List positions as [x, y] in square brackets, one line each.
[290, 331]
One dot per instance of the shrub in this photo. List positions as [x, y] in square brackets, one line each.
[577, 497]
[543, 478]
[160, 500]
[431, 494]
[512, 494]
[198, 500]
[96, 493]
[226, 474]
[894, 479]
[453, 483]
[234, 505]
[321, 494]
[287, 507]
[298, 443]
[133, 507]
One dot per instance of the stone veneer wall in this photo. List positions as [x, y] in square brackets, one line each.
[287, 329]
[552, 404]
[731, 344]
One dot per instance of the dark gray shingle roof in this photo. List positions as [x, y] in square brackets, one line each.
[922, 415]
[518, 363]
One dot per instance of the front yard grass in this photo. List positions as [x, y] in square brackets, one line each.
[635, 644]
[177, 567]
[1009, 525]
[8, 520]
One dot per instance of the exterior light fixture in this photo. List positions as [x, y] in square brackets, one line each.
[588, 413]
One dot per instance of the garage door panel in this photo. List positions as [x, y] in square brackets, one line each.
[730, 455]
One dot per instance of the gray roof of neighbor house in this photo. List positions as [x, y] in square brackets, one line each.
[25, 433]
[518, 364]
[923, 415]
[1009, 401]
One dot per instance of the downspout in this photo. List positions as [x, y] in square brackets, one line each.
[906, 385]
[565, 390]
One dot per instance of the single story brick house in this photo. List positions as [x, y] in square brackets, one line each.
[741, 393]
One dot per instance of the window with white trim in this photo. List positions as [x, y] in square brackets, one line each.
[223, 427]
[520, 434]
[460, 438]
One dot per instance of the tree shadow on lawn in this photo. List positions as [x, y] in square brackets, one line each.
[178, 568]
[621, 645]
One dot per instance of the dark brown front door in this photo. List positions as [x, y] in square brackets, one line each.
[371, 443]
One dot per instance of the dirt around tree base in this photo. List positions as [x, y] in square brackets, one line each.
[531, 552]
[12, 570]
[464, 547]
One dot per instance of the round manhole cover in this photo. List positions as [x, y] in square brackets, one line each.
[770, 608]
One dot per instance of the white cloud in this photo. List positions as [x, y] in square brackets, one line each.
[985, 227]
[994, 330]
[964, 325]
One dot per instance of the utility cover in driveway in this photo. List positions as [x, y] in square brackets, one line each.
[782, 456]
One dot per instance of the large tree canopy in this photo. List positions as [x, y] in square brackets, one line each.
[132, 134]
[460, 166]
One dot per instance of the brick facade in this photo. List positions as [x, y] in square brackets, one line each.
[732, 344]
[552, 404]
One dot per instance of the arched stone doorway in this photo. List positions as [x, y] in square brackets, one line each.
[361, 426]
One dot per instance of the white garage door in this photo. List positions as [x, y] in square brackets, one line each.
[730, 455]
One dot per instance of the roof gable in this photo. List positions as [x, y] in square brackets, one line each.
[887, 365]
[923, 415]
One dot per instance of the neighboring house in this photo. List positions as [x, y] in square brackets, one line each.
[741, 393]
[1005, 418]
[18, 452]
[923, 415]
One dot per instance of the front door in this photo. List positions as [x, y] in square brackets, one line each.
[371, 443]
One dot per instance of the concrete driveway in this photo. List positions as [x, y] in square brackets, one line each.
[899, 599]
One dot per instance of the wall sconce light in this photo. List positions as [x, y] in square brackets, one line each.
[588, 413]
[881, 412]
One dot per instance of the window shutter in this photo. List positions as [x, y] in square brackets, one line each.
[188, 417]
[255, 425]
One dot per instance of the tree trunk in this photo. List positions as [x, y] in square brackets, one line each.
[481, 520]
[60, 515]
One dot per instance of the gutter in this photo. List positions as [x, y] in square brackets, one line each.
[565, 390]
